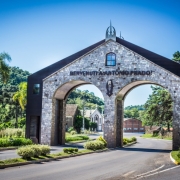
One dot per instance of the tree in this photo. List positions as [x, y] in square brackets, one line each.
[176, 56]
[158, 108]
[78, 123]
[4, 68]
[9, 109]
[132, 112]
[21, 95]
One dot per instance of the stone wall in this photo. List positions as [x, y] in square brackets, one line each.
[126, 60]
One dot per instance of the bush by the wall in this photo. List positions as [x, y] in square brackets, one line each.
[12, 132]
[70, 150]
[14, 142]
[134, 139]
[129, 140]
[33, 151]
[94, 145]
[103, 140]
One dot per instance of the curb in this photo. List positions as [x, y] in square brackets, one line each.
[49, 159]
[173, 160]
[72, 143]
[56, 158]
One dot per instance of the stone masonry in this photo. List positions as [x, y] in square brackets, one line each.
[126, 60]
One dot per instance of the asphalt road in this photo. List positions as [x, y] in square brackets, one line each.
[8, 154]
[148, 159]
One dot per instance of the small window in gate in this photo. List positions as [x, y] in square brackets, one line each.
[110, 59]
[36, 89]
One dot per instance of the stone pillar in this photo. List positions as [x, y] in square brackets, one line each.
[176, 125]
[62, 122]
[58, 123]
[109, 123]
[119, 122]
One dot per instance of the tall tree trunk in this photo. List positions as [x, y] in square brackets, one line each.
[16, 123]
[168, 127]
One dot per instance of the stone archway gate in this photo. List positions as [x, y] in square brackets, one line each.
[134, 66]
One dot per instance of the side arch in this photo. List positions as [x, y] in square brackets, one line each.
[58, 121]
[120, 97]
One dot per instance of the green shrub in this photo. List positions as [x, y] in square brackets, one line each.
[94, 145]
[5, 143]
[125, 141]
[45, 150]
[70, 129]
[26, 152]
[37, 150]
[19, 133]
[76, 138]
[70, 150]
[103, 140]
[33, 151]
[178, 154]
[134, 139]
[73, 132]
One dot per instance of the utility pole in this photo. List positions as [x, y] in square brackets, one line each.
[83, 115]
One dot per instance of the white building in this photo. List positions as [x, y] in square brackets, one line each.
[95, 116]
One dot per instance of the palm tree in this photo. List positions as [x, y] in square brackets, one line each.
[4, 68]
[21, 97]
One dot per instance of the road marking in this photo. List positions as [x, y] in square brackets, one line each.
[158, 172]
[128, 173]
[149, 171]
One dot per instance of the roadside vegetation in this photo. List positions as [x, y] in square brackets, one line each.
[129, 140]
[157, 136]
[12, 137]
[176, 156]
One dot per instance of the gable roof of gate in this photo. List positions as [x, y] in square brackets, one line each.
[153, 57]
[165, 63]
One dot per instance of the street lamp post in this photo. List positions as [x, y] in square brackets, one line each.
[83, 115]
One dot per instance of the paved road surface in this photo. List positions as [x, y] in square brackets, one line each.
[134, 162]
[55, 149]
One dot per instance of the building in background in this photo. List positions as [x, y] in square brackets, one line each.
[71, 112]
[95, 116]
[133, 125]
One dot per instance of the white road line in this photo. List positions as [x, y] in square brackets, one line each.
[149, 171]
[128, 173]
[159, 172]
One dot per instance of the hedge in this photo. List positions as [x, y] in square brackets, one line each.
[33, 151]
[94, 145]
[15, 142]
[70, 150]
[76, 138]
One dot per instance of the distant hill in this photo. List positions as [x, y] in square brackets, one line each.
[139, 107]
[90, 100]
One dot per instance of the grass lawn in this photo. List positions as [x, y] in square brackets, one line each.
[155, 137]
[76, 137]
[57, 155]
[174, 155]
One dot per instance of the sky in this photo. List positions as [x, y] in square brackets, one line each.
[37, 33]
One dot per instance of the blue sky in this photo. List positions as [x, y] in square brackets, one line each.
[37, 33]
